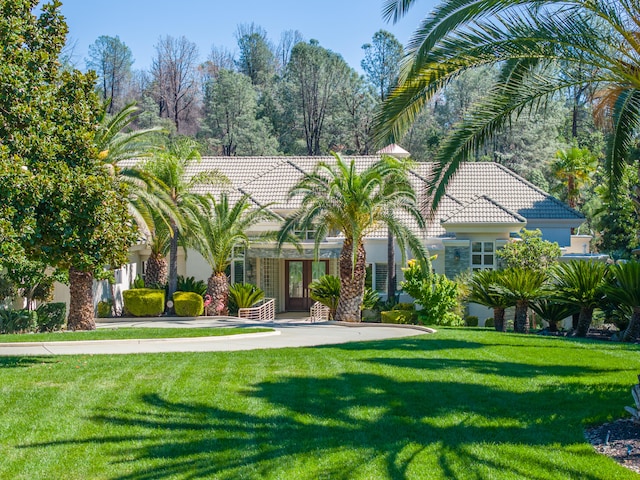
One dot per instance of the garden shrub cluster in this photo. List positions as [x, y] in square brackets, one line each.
[188, 304]
[399, 316]
[48, 317]
[143, 302]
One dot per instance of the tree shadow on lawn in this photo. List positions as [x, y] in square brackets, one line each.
[356, 424]
[23, 362]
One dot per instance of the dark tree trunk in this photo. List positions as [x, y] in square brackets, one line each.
[498, 319]
[521, 321]
[391, 269]
[632, 332]
[574, 320]
[584, 321]
[352, 282]
[81, 314]
[173, 265]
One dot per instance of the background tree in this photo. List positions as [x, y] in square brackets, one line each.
[315, 75]
[574, 167]
[230, 115]
[256, 58]
[288, 40]
[112, 60]
[531, 252]
[337, 197]
[381, 62]
[175, 80]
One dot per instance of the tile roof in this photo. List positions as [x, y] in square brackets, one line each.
[482, 192]
[483, 209]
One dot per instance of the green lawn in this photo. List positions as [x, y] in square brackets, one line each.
[463, 404]
[126, 333]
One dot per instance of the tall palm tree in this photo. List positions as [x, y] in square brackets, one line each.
[526, 39]
[339, 197]
[625, 290]
[580, 283]
[170, 165]
[222, 226]
[574, 167]
[520, 287]
[483, 291]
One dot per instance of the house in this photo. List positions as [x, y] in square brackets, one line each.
[485, 205]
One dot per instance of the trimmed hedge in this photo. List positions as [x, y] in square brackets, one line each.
[104, 309]
[51, 316]
[398, 316]
[405, 307]
[489, 322]
[471, 321]
[188, 304]
[143, 302]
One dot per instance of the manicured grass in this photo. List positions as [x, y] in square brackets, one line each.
[126, 333]
[464, 404]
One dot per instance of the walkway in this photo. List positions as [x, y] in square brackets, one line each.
[288, 333]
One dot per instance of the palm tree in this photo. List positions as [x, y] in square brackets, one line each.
[169, 166]
[337, 197]
[222, 227]
[574, 167]
[553, 311]
[520, 287]
[580, 283]
[595, 40]
[625, 290]
[483, 291]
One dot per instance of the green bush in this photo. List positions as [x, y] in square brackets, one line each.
[138, 283]
[326, 290]
[104, 308]
[188, 304]
[404, 306]
[398, 316]
[471, 321]
[489, 322]
[143, 302]
[51, 316]
[18, 321]
[370, 299]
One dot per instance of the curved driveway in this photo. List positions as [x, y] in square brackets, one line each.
[286, 334]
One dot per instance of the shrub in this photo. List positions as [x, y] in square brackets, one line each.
[138, 283]
[188, 304]
[18, 321]
[245, 295]
[190, 284]
[434, 292]
[370, 299]
[489, 322]
[51, 316]
[398, 316]
[404, 306]
[471, 321]
[104, 308]
[143, 302]
[326, 290]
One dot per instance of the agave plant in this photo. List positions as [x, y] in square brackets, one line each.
[625, 290]
[581, 284]
[326, 290]
[245, 295]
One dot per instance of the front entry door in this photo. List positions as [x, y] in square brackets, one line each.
[299, 274]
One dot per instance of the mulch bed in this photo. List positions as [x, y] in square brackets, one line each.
[619, 440]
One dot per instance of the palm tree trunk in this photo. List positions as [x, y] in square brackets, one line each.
[521, 324]
[498, 319]
[352, 282]
[173, 263]
[81, 303]
[584, 321]
[632, 332]
[218, 289]
[156, 273]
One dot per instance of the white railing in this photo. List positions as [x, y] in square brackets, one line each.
[263, 311]
[319, 312]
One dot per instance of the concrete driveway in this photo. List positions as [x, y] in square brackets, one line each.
[287, 333]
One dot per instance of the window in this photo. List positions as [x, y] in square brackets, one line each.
[235, 270]
[381, 277]
[305, 235]
[482, 256]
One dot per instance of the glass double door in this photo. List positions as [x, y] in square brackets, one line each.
[299, 274]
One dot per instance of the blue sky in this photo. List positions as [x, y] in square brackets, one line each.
[340, 25]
